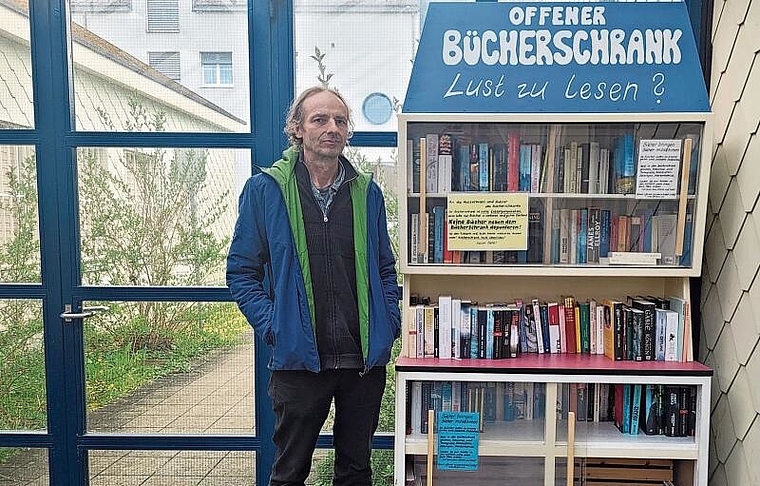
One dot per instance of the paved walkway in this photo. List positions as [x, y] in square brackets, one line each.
[216, 397]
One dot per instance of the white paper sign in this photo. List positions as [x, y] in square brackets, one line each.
[659, 162]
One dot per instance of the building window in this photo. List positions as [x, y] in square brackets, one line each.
[217, 68]
[167, 63]
[219, 5]
[101, 6]
[377, 108]
[163, 15]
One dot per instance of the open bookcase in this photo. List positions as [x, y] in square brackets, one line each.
[546, 262]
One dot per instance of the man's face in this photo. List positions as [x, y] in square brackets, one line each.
[324, 129]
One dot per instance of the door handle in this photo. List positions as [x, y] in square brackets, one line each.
[67, 315]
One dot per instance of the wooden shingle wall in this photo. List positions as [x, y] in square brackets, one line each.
[730, 282]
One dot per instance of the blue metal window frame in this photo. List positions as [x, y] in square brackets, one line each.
[270, 31]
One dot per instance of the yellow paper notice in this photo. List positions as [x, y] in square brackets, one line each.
[479, 222]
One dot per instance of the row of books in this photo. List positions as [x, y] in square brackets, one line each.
[589, 235]
[441, 163]
[639, 329]
[653, 409]
[493, 401]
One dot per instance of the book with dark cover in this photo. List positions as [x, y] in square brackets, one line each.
[637, 334]
[672, 410]
[582, 404]
[585, 326]
[635, 409]
[604, 233]
[584, 152]
[684, 403]
[544, 312]
[535, 252]
[582, 246]
[650, 327]
[661, 406]
[692, 422]
[461, 181]
[530, 328]
[426, 404]
[498, 332]
[650, 408]
[570, 325]
[593, 239]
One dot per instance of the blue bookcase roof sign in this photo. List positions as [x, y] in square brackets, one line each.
[556, 57]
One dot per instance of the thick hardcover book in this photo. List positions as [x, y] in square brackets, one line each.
[498, 333]
[585, 326]
[482, 320]
[650, 328]
[542, 332]
[672, 410]
[684, 401]
[465, 331]
[604, 233]
[637, 334]
[535, 252]
[570, 324]
[555, 343]
[474, 332]
[531, 329]
[545, 331]
[613, 331]
[514, 337]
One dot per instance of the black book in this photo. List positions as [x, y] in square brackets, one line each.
[649, 329]
[672, 410]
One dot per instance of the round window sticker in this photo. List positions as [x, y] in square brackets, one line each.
[377, 108]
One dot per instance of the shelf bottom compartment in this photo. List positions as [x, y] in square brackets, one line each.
[504, 471]
[603, 439]
[626, 472]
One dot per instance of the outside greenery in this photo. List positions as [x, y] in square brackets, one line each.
[143, 222]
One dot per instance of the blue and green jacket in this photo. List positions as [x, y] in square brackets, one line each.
[269, 277]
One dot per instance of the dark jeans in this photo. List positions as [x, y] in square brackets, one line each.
[301, 401]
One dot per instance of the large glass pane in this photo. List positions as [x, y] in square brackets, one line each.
[157, 217]
[22, 366]
[23, 467]
[19, 234]
[364, 49]
[180, 468]
[113, 72]
[170, 368]
[16, 98]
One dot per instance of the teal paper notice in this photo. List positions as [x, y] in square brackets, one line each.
[458, 441]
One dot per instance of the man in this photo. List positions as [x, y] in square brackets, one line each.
[315, 227]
